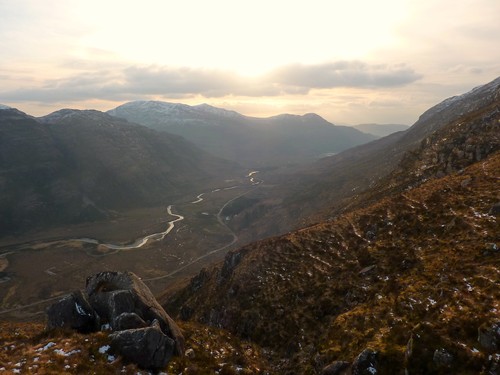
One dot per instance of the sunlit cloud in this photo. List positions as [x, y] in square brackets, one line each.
[144, 81]
[344, 74]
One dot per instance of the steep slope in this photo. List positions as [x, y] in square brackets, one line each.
[73, 166]
[408, 277]
[254, 142]
[329, 184]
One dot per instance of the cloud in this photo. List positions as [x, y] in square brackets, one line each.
[344, 74]
[132, 82]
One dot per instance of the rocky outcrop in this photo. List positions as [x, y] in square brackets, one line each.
[73, 312]
[143, 332]
[147, 347]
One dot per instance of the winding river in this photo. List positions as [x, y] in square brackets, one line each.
[141, 241]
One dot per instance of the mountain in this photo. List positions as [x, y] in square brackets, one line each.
[2, 106]
[253, 142]
[404, 283]
[73, 166]
[331, 183]
[381, 130]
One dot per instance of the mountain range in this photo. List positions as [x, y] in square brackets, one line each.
[252, 142]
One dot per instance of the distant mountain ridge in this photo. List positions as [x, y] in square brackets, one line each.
[253, 142]
[381, 130]
[73, 166]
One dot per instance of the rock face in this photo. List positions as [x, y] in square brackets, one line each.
[74, 312]
[143, 332]
[148, 347]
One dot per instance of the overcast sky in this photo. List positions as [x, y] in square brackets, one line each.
[353, 61]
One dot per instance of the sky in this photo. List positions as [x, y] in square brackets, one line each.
[356, 61]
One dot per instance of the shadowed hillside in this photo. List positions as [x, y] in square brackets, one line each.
[75, 166]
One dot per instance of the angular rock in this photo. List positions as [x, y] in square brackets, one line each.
[109, 305]
[148, 347]
[128, 321]
[74, 312]
[365, 363]
[489, 337]
[336, 368]
[110, 287]
[442, 358]
[495, 209]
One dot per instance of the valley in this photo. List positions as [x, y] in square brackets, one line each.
[155, 243]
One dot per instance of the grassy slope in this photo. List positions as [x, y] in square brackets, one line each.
[24, 349]
[432, 277]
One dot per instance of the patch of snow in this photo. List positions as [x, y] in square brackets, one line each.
[111, 358]
[66, 354]
[80, 310]
[372, 370]
[16, 371]
[106, 327]
[49, 345]
[103, 349]
[474, 350]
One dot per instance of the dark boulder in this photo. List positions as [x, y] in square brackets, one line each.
[128, 321]
[495, 209]
[109, 305]
[114, 293]
[148, 347]
[442, 359]
[365, 363]
[74, 312]
[337, 368]
[489, 337]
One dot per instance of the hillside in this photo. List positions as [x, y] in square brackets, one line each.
[413, 278]
[75, 166]
[405, 275]
[253, 142]
[327, 186]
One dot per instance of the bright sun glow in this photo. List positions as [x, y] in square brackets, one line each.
[249, 38]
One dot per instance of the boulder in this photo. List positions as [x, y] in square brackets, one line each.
[74, 312]
[128, 321]
[109, 305]
[113, 293]
[442, 358]
[148, 347]
[489, 337]
[365, 363]
[495, 209]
